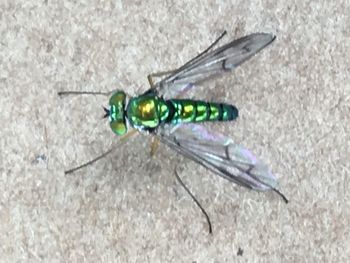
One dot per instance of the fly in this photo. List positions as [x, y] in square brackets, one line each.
[177, 122]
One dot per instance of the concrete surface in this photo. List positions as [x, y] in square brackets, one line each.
[294, 101]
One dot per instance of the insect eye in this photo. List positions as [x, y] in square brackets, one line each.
[117, 98]
[117, 116]
[118, 127]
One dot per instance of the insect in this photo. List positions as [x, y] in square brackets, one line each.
[177, 122]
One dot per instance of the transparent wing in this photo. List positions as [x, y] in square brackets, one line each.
[212, 63]
[220, 155]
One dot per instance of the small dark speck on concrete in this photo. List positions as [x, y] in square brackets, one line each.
[240, 252]
[40, 158]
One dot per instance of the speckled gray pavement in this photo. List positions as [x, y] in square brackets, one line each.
[294, 101]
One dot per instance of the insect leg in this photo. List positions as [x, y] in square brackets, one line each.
[65, 93]
[89, 162]
[154, 146]
[281, 195]
[157, 75]
[68, 92]
[195, 200]
[121, 140]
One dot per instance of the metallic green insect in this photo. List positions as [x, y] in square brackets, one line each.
[148, 111]
[176, 122]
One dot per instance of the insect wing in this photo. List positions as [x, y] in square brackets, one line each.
[219, 154]
[212, 63]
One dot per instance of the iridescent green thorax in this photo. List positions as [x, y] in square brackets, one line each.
[147, 111]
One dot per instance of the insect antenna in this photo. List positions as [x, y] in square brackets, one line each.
[195, 200]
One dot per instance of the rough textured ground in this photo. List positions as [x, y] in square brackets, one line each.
[294, 101]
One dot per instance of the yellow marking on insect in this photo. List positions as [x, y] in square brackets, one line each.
[146, 108]
[188, 109]
[188, 112]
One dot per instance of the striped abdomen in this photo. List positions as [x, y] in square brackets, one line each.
[182, 110]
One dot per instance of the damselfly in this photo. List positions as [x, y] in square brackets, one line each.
[176, 122]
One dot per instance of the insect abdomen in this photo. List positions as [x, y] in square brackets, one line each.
[197, 111]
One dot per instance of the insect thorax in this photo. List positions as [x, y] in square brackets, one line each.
[147, 111]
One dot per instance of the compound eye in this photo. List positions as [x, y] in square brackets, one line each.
[118, 127]
[117, 115]
[118, 98]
